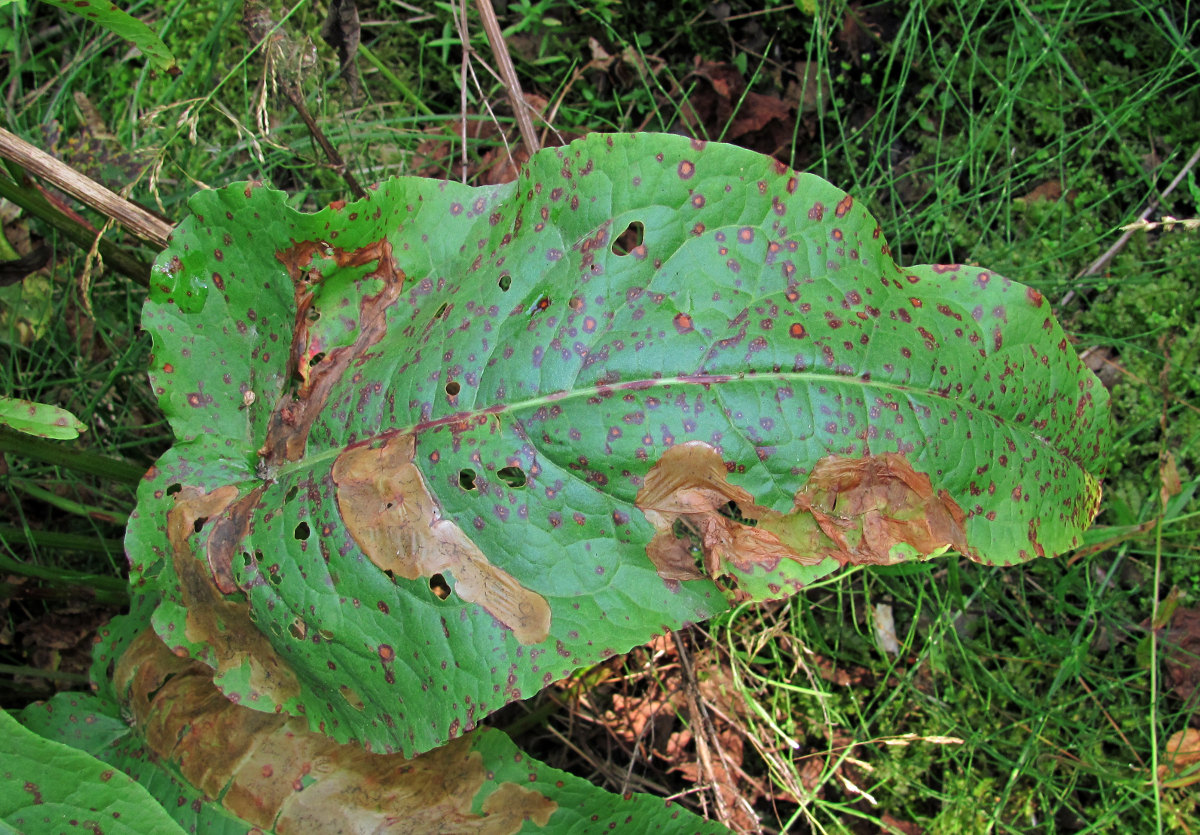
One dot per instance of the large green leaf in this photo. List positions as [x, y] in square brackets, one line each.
[49, 787]
[442, 446]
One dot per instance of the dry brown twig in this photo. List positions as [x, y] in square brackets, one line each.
[37, 162]
[508, 74]
[1130, 228]
[283, 61]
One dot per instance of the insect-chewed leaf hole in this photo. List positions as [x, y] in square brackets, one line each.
[730, 510]
[258, 555]
[441, 311]
[466, 478]
[199, 523]
[453, 388]
[275, 578]
[316, 358]
[505, 282]
[174, 488]
[512, 476]
[439, 586]
[302, 531]
[291, 493]
[624, 243]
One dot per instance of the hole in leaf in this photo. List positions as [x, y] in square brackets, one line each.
[246, 558]
[512, 476]
[630, 238]
[258, 555]
[326, 634]
[439, 586]
[302, 531]
[730, 510]
[466, 479]
[683, 531]
[199, 523]
[150, 694]
[298, 629]
[441, 311]
[173, 489]
[316, 359]
[275, 578]
[453, 388]
[505, 282]
[291, 493]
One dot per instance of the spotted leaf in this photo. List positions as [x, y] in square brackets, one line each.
[428, 443]
[218, 767]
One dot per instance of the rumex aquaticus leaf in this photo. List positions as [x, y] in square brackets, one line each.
[218, 767]
[496, 393]
[50, 786]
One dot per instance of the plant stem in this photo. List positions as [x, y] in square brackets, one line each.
[36, 672]
[133, 217]
[69, 505]
[77, 231]
[67, 457]
[509, 75]
[108, 591]
[60, 541]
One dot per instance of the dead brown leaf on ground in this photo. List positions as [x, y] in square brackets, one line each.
[894, 826]
[440, 155]
[721, 106]
[1181, 753]
[61, 641]
[1181, 668]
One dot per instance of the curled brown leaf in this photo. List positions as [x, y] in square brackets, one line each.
[871, 510]
[274, 773]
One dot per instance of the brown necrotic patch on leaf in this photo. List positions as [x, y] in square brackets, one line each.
[683, 497]
[388, 509]
[296, 411]
[872, 510]
[214, 621]
[878, 510]
[274, 773]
